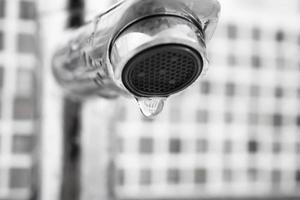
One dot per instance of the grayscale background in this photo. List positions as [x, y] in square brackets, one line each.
[234, 134]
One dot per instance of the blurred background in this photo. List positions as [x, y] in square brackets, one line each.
[235, 134]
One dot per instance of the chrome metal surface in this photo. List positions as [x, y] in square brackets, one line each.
[162, 70]
[91, 59]
[150, 32]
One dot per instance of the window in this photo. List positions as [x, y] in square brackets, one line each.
[253, 118]
[228, 146]
[145, 177]
[256, 61]
[20, 178]
[146, 145]
[76, 18]
[279, 36]
[23, 144]
[120, 177]
[26, 43]
[2, 8]
[202, 116]
[256, 33]
[205, 87]
[227, 175]
[75, 4]
[277, 120]
[228, 117]
[23, 108]
[254, 91]
[1, 77]
[280, 62]
[173, 176]
[175, 145]
[276, 176]
[27, 10]
[25, 82]
[297, 176]
[252, 174]
[200, 176]
[298, 121]
[278, 92]
[202, 146]
[1, 40]
[252, 146]
[276, 147]
[231, 31]
[230, 89]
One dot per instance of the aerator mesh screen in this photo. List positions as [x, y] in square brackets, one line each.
[162, 70]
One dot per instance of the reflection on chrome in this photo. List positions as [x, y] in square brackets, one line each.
[104, 57]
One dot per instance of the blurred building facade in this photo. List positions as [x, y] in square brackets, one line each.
[19, 103]
[235, 133]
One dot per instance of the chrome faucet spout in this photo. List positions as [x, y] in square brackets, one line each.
[139, 48]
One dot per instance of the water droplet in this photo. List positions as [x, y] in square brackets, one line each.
[151, 107]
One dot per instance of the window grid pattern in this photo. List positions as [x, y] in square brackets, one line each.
[17, 99]
[237, 135]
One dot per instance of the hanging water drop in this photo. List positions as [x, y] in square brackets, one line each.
[151, 107]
